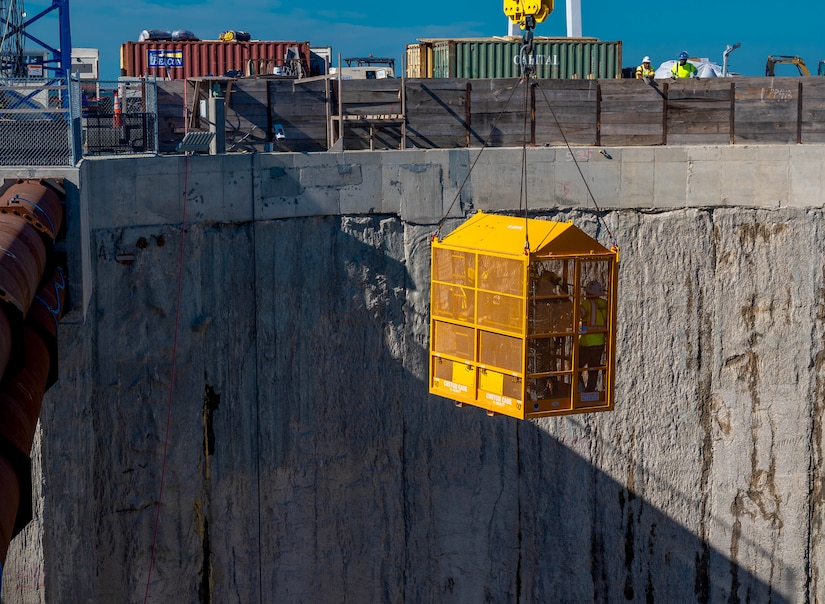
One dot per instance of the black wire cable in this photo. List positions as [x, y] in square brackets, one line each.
[523, 193]
[575, 161]
[473, 165]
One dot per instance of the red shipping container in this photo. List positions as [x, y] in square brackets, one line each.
[181, 60]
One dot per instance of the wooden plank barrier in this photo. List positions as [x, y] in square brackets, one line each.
[454, 113]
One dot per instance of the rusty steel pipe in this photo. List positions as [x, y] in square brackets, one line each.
[9, 503]
[37, 202]
[22, 261]
[45, 313]
[31, 217]
[5, 340]
[49, 304]
[22, 394]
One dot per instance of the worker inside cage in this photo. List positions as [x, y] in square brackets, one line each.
[593, 332]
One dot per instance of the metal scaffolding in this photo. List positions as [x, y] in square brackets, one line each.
[14, 23]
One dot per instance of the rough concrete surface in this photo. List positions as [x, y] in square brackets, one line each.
[282, 354]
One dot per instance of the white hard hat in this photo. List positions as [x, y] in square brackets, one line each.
[646, 60]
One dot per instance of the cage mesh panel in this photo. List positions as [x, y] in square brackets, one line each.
[453, 302]
[500, 311]
[454, 340]
[455, 267]
[500, 351]
[503, 275]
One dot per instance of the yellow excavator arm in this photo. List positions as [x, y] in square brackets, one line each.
[519, 10]
[775, 60]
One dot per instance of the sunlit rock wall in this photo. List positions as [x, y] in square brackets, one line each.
[265, 365]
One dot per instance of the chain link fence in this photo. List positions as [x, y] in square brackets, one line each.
[36, 123]
[56, 123]
[120, 117]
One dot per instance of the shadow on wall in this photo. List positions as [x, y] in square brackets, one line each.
[578, 519]
[334, 475]
[503, 510]
[417, 497]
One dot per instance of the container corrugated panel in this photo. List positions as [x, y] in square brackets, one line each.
[419, 62]
[181, 60]
[556, 58]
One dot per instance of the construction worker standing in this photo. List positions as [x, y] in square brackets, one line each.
[683, 69]
[593, 331]
[645, 71]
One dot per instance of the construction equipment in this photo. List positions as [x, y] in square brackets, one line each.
[526, 13]
[15, 38]
[786, 59]
[521, 11]
[234, 36]
[513, 327]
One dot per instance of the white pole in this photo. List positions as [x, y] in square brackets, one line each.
[574, 19]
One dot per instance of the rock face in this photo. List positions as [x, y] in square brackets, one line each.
[271, 375]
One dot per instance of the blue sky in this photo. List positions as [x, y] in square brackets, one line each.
[385, 28]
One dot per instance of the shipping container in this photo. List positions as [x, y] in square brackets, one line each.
[419, 60]
[181, 60]
[556, 58]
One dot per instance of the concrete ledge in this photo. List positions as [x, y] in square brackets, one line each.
[420, 185]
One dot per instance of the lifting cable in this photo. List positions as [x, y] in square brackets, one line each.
[599, 212]
[528, 78]
[484, 145]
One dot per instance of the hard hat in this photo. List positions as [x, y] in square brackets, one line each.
[594, 288]
[646, 60]
[683, 55]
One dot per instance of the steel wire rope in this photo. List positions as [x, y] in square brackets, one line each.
[523, 180]
[575, 161]
[475, 161]
[172, 380]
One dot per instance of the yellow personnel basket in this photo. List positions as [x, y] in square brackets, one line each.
[518, 333]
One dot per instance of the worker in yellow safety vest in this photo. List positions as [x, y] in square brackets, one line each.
[645, 71]
[683, 69]
[593, 331]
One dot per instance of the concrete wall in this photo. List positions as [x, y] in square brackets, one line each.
[269, 361]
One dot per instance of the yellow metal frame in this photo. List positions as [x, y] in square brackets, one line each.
[463, 375]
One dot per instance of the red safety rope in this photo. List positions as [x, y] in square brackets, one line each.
[172, 384]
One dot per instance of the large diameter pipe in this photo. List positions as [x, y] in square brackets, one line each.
[30, 218]
[20, 401]
[22, 261]
[22, 395]
[45, 313]
[37, 202]
[9, 503]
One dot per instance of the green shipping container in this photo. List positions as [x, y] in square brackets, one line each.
[556, 58]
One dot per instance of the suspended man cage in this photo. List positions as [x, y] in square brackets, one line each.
[524, 333]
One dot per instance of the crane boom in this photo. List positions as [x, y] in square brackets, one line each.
[519, 10]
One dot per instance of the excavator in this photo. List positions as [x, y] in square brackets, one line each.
[786, 59]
